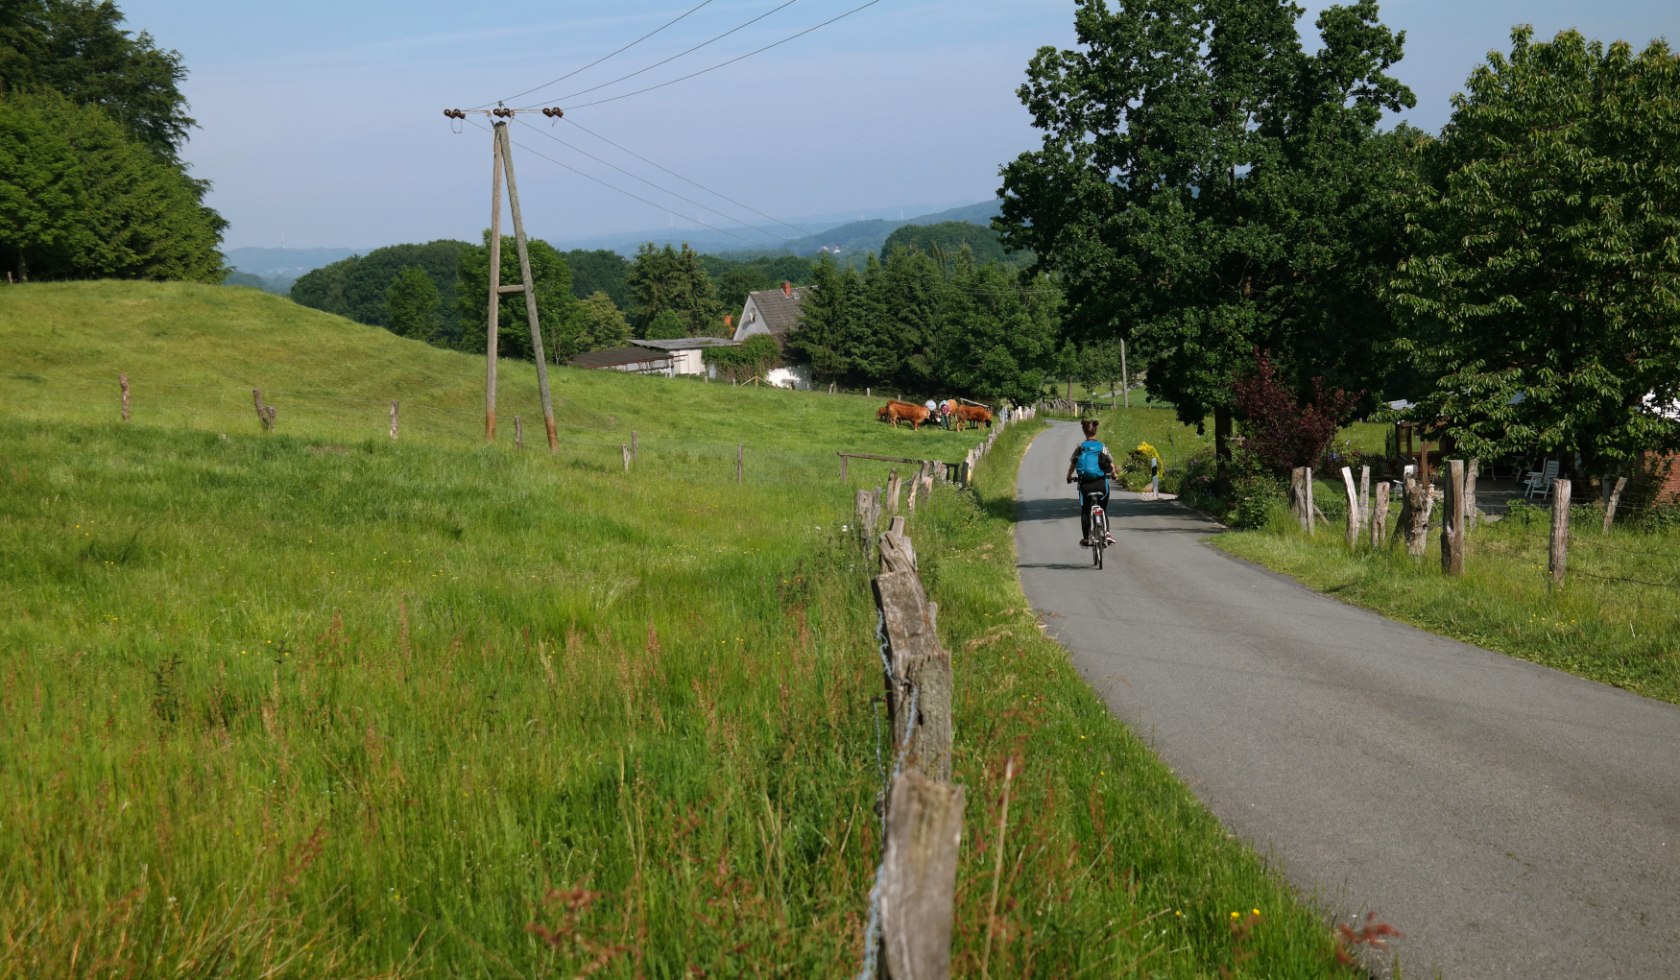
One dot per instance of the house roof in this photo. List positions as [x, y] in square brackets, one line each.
[781, 311]
[685, 343]
[617, 356]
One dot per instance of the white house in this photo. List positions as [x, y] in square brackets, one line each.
[776, 312]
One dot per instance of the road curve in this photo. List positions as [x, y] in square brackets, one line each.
[1510, 820]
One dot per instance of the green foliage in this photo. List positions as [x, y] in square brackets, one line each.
[80, 198]
[946, 239]
[1540, 293]
[555, 304]
[357, 287]
[79, 49]
[665, 325]
[752, 359]
[600, 271]
[1205, 186]
[412, 306]
[598, 323]
[665, 279]
[1000, 334]
[736, 277]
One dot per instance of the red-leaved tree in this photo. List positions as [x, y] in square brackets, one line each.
[1281, 431]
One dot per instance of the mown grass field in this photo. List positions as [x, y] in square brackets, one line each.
[318, 703]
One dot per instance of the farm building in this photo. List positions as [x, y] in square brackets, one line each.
[687, 353]
[776, 312]
[632, 360]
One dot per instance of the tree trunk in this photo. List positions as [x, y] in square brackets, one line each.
[1415, 508]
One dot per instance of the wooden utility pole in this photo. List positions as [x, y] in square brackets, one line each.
[501, 165]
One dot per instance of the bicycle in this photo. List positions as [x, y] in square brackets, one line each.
[1099, 533]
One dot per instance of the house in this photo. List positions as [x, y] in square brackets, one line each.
[688, 353]
[776, 312]
[633, 360]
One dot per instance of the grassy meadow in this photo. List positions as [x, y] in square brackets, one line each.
[321, 703]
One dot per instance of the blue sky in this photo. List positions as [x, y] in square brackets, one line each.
[321, 122]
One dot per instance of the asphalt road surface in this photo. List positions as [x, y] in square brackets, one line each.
[1510, 820]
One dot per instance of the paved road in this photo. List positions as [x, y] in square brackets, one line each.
[1511, 820]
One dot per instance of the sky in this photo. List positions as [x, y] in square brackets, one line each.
[321, 123]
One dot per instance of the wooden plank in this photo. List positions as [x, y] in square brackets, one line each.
[919, 877]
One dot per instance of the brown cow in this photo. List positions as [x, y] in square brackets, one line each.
[896, 411]
[973, 415]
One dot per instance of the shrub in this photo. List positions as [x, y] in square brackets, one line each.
[1280, 430]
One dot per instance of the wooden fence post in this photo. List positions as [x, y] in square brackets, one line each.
[1298, 497]
[919, 877]
[1560, 531]
[122, 379]
[867, 509]
[1415, 507]
[1364, 497]
[894, 486]
[740, 461]
[1609, 506]
[518, 433]
[1352, 507]
[1472, 514]
[265, 411]
[393, 421]
[843, 462]
[625, 449]
[1452, 520]
[920, 678]
[1379, 515]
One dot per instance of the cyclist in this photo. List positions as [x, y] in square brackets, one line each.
[1092, 466]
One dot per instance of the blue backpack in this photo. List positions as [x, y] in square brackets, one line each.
[1087, 464]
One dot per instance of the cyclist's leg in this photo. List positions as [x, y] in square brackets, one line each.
[1085, 502]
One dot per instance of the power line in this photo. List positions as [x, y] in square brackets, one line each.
[620, 190]
[666, 61]
[597, 61]
[723, 64]
[655, 186]
[624, 149]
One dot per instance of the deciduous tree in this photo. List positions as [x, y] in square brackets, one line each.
[1542, 294]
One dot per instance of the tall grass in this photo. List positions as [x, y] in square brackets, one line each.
[1616, 619]
[321, 704]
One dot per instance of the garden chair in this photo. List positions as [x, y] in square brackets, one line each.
[1539, 482]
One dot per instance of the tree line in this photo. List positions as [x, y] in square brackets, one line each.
[92, 121]
[1221, 196]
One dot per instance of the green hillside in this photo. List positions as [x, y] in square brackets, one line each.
[321, 703]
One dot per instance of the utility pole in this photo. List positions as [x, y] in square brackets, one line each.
[502, 165]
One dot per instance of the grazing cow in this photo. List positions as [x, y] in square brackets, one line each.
[897, 411]
[970, 416]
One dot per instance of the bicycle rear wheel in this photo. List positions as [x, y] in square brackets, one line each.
[1099, 538]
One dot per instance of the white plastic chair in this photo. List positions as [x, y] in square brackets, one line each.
[1539, 482]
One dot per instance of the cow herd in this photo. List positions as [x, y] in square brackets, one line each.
[961, 417]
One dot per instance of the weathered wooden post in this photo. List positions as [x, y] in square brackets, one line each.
[518, 433]
[843, 461]
[1352, 507]
[1452, 520]
[1364, 497]
[393, 421]
[1560, 532]
[740, 461]
[919, 876]
[625, 448]
[919, 684]
[122, 380]
[1472, 514]
[635, 450]
[894, 487]
[1609, 506]
[1298, 497]
[868, 512]
[265, 411]
[1415, 507]
[1379, 515]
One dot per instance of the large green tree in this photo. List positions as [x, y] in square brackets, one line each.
[1194, 186]
[555, 303]
[80, 198]
[357, 287]
[79, 49]
[412, 303]
[1000, 336]
[1542, 294]
[662, 279]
